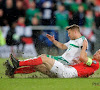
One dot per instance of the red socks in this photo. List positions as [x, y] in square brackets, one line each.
[30, 65]
[26, 70]
[31, 62]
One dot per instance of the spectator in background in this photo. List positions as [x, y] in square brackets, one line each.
[20, 10]
[89, 19]
[61, 16]
[79, 17]
[21, 21]
[10, 11]
[90, 3]
[36, 34]
[2, 39]
[73, 4]
[1, 6]
[83, 2]
[97, 3]
[31, 12]
[11, 38]
[20, 29]
[88, 30]
[39, 3]
[47, 12]
[70, 5]
[62, 20]
[97, 13]
[26, 4]
[1, 18]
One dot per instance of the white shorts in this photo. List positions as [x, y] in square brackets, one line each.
[63, 71]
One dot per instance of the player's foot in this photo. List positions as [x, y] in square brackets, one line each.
[15, 61]
[9, 69]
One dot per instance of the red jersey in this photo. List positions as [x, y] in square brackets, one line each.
[84, 70]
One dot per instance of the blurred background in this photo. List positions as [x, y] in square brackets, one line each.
[25, 23]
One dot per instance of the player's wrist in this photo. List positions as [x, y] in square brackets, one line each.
[53, 40]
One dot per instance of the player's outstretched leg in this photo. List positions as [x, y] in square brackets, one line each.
[25, 70]
[29, 62]
[9, 69]
[43, 59]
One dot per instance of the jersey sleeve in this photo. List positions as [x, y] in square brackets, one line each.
[67, 44]
[81, 41]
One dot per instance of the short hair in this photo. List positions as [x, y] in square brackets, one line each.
[74, 26]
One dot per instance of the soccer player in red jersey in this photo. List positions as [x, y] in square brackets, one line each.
[88, 65]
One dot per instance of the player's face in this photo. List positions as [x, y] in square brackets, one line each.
[71, 34]
[97, 55]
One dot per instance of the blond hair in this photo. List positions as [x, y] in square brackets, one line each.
[73, 27]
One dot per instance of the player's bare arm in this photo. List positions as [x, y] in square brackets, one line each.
[55, 42]
[83, 55]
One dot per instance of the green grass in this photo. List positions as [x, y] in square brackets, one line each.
[27, 82]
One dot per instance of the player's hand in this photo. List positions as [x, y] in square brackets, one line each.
[76, 61]
[85, 44]
[51, 38]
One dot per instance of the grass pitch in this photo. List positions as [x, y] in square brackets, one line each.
[42, 82]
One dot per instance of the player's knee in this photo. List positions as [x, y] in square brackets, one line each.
[43, 57]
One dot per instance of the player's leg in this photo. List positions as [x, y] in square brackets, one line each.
[25, 70]
[30, 69]
[10, 70]
[43, 59]
[43, 69]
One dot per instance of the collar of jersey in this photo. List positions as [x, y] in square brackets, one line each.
[81, 37]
